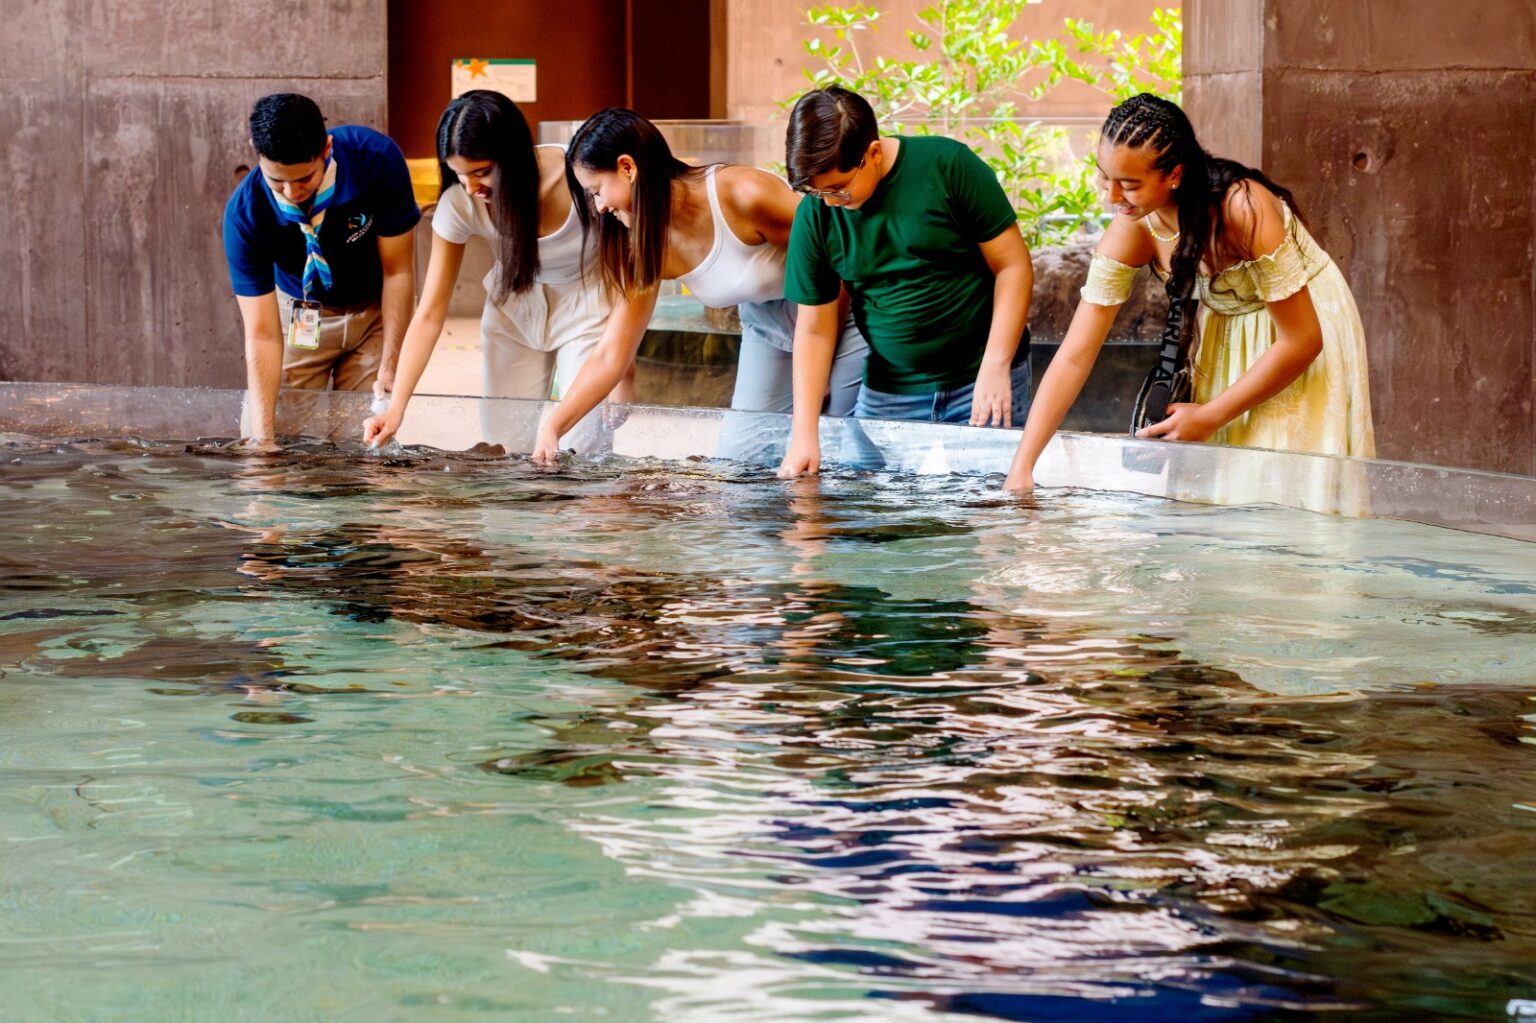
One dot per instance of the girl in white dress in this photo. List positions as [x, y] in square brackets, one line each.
[544, 307]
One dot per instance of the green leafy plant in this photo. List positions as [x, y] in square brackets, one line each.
[1122, 66]
[967, 80]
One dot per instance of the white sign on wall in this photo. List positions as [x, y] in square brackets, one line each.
[514, 79]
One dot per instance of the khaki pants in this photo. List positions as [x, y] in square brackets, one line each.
[351, 349]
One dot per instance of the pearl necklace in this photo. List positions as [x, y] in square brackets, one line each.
[1153, 231]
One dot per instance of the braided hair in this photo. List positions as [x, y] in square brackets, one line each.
[1164, 128]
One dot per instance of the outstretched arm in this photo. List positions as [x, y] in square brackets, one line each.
[397, 256]
[600, 374]
[816, 330]
[420, 337]
[1059, 387]
[1127, 243]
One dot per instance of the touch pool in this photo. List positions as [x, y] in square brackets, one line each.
[443, 736]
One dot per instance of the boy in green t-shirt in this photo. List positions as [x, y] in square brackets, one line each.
[925, 240]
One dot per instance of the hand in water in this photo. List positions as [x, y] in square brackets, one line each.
[1020, 481]
[378, 429]
[546, 447]
[802, 459]
[260, 445]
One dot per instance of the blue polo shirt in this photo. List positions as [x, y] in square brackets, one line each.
[373, 200]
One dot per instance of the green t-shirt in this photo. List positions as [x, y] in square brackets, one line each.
[911, 258]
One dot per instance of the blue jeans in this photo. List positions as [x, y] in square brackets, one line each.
[764, 381]
[951, 406]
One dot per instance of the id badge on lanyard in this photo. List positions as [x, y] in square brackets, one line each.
[304, 325]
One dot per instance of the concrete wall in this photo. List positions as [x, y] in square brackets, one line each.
[122, 124]
[1408, 132]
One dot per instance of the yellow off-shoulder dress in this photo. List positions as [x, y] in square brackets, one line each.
[1326, 410]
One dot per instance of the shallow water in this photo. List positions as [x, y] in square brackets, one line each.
[321, 736]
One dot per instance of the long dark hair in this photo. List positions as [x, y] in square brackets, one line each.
[1146, 120]
[485, 125]
[630, 258]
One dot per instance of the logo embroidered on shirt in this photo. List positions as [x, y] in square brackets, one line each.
[358, 224]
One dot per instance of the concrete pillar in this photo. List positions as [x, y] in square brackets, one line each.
[1407, 131]
[123, 123]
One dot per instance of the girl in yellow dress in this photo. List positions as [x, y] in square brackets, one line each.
[1279, 360]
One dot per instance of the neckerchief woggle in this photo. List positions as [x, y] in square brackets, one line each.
[315, 266]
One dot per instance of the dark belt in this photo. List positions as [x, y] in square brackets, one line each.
[336, 310]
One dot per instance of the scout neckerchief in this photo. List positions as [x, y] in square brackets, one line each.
[315, 266]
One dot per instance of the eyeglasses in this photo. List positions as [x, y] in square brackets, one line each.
[835, 194]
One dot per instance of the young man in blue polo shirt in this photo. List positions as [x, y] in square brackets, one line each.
[319, 244]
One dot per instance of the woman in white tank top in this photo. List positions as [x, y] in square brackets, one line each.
[720, 230]
[544, 308]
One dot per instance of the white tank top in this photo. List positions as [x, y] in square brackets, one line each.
[560, 253]
[734, 272]
[459, 216]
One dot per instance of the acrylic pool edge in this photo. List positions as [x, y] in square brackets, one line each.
[1495, 503]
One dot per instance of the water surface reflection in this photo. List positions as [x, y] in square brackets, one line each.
[906, 750]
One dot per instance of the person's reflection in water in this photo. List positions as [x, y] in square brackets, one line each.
[807, 640]
[805, 534]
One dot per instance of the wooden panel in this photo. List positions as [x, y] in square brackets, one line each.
[578, 44]
[719, 58]
[671, 53]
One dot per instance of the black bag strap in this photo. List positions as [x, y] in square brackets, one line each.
[1178, 334]
[1165, 383]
